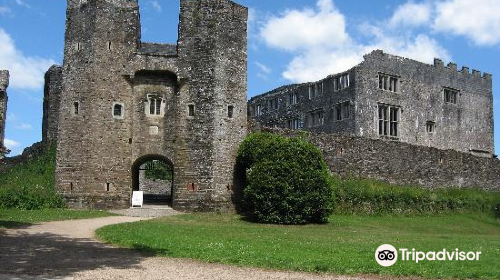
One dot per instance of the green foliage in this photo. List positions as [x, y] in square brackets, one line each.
[496, 209]
[159, 171]
[287, 180]
[345, 245]
[30, 185]
[372, 197]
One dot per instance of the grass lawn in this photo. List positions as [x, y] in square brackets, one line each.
[15, 218]
[344, 246]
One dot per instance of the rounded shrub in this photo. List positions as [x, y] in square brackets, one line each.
[287, 180]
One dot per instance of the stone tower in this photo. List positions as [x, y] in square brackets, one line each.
[4, 83]
[124, 102]
[51, 103]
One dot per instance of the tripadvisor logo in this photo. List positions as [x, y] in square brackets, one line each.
[387, 255]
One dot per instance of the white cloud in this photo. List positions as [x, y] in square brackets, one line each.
[155, 5]
[411, 14]
[23, 4]
[308, 28]
[321, 45]
[263, 68]
[11, 144]
[26, 72]
[24, 126]
[478, 20]
[4, 11]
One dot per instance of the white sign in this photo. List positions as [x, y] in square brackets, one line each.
[137, 199]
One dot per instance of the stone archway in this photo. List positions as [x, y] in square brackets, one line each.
[154, 174]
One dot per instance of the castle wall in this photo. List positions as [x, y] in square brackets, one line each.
[93, 157]
[404, 164]
[4, 83]
[465, 126]
[196, 82]
[212, 58]
[51, 103]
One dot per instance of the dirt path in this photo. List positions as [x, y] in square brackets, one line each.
[68, 251]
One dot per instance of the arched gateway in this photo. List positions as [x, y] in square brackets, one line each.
[154, 175]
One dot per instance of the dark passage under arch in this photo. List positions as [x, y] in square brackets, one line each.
[154, 174]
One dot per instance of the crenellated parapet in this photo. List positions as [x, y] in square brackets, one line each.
[452, 66]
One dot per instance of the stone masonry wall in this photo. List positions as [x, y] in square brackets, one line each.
[465, 125]
[4, 83]
[51, 103]
[311, 99]
[196, 126]
[404, 164]
[93, 149]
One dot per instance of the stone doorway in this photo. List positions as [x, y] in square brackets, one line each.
[154, 175]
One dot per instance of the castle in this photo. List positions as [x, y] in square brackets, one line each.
[117, 103]
[393, 98]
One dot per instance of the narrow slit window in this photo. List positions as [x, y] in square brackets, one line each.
[230, 111]
[431, 127]
[191, 110]
[76, 108]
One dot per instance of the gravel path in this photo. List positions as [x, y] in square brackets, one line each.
[68, 251]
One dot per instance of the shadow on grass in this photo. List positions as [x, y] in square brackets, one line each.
[151, 251]
[43, 253]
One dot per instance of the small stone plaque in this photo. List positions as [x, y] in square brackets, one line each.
[154, 130]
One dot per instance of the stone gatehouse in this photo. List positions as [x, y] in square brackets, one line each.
[117, 103]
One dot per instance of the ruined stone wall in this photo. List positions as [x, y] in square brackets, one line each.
[466, 126]
[404, 164]
[311, 99]
[51, 103]
[4, 83]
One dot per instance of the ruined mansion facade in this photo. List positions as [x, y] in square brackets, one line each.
[391, 98]
[118, 102]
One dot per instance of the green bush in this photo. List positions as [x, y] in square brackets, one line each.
[287, 180]
[30, 185]
[363, 196]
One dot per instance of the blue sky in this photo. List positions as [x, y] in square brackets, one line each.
[289, 42]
